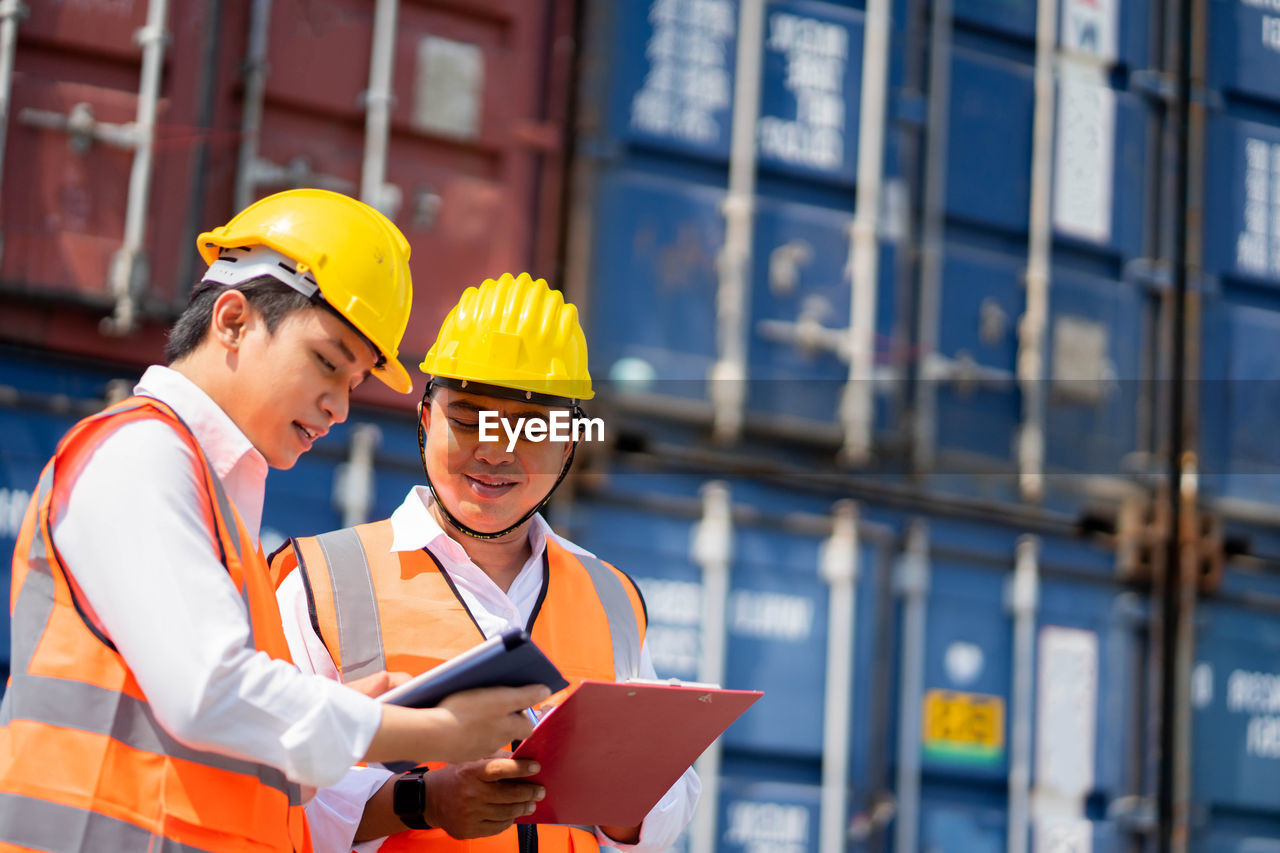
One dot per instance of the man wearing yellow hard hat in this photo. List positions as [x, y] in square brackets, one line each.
[153, 704]
[465, 557]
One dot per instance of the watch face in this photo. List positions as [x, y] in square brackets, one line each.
[409, 797]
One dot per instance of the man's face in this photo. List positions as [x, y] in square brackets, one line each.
[292, 386]
[485, 485]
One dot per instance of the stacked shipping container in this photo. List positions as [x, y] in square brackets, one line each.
[993, 378]
[1232, 683]
[884, 311]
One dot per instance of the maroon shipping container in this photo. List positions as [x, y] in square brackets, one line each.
[454, 126]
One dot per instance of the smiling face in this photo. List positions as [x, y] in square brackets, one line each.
[289, 387]
[483, 484]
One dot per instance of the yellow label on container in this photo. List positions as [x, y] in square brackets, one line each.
[963, 727]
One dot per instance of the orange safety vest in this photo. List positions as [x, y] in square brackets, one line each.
[400, 612]
[84, 764]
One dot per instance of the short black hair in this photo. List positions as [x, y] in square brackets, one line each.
[270, 297]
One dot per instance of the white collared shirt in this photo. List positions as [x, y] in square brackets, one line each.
[132, 533]
[335, 813]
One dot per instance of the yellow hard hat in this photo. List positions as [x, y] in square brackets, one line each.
[516, 334]
[357, 258]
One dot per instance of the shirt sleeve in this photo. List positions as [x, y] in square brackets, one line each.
[132, 534]
[665, 821]
[335, 812]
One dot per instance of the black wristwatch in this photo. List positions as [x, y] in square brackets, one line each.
[409, 799]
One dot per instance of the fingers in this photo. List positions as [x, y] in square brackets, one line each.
[505, 729]
[485, 828]
[509, 700]
[503, 812]
[532, 694]
[517, 810]
[513, 799]
[496, 780]
[370, 685]
[378, 683]
[496, 769]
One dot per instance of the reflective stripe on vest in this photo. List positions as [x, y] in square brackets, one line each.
[84, 764]
[623, 629]
[421, 622]
[43, 825]
[359, 629]
[63, 703]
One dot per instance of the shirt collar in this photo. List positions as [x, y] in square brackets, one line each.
[224, 445]
[413, 527]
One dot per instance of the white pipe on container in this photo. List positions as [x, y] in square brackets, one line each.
[838, 566]
[10, 12]
[1033, 326]
[377, 125]
[255, 87]
[1022, 597]
[727, 379]
[125, 263]
[354, 481]
[712, 549]
[925, 422]
[913, 585]
[857, 407]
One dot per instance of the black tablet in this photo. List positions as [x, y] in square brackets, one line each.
[511, 659]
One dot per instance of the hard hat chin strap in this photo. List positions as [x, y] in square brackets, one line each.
[444, 510]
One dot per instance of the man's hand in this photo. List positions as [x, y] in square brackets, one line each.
[375, 685]
[482, 797]
[466, 800]
[488, 711]
[464, 727]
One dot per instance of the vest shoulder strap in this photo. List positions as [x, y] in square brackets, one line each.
[625, 629]
[336, 568]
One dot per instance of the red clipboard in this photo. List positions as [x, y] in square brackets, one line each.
[612, 749]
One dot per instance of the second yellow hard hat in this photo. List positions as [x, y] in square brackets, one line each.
[514, 333]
